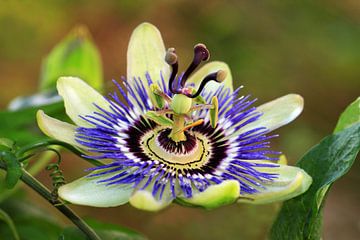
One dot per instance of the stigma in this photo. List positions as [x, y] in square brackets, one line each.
[175, 111]
[201, 54]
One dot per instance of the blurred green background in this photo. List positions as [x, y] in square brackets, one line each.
[273, 48]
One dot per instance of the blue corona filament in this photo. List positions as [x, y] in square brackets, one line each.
[144, 156]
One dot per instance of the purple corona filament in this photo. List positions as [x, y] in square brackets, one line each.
[123, 134]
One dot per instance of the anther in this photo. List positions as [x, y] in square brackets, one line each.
[218, 76]
[171, 59]
[201, 53]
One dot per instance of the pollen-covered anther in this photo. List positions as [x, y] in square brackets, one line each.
[160, 96]
[194, 124]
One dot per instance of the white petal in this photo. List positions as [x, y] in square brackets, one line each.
[57, 129]
[277, 113]
[216, 195]
[208, 68]
[87, 191]
[146, 54]
[292, 181]
[79, 99]
[144, 200]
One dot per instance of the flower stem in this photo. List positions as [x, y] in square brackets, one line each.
[33, 170]
[47, 143]
[37, 186]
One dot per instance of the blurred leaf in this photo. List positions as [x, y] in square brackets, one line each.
[105, 231]
[6, 144]
[21, 127]
[7, 219]
[350, 116]
[31, 222]
[38, 99]
[77, 56]
[301, 217]
[13, 168]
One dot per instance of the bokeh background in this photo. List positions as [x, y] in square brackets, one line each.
[273, 48]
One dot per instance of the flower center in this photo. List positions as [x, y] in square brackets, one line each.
[185, 100]
[194, 152]
[182, 147]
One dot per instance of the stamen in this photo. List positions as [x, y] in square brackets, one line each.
[172, 59]
[156, 90]
[201, 53]
[201, 107]
[194, 124]
[218, 76]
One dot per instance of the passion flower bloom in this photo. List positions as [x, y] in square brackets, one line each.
[165, 136]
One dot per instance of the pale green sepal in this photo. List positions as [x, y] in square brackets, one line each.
[146, 54]
[79, 99]
[216, 195]
[208, 68]
[291, 182]
[277, 113]
[89, 192]
[144, 200]
[57, 129]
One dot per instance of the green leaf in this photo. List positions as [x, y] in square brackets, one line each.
[7, 219]
[13, 168]
[21, 126]
[105, 231]
[6, 144]
[31, 222]
[350, 116]
[301, 217]
[75, 56]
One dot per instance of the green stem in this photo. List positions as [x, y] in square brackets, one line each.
[42, 161]
[35, 168]
[47, 143]
[37, 186]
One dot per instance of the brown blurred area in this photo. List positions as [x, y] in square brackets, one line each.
[273, 48]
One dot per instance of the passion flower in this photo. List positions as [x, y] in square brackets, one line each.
[165, 136]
